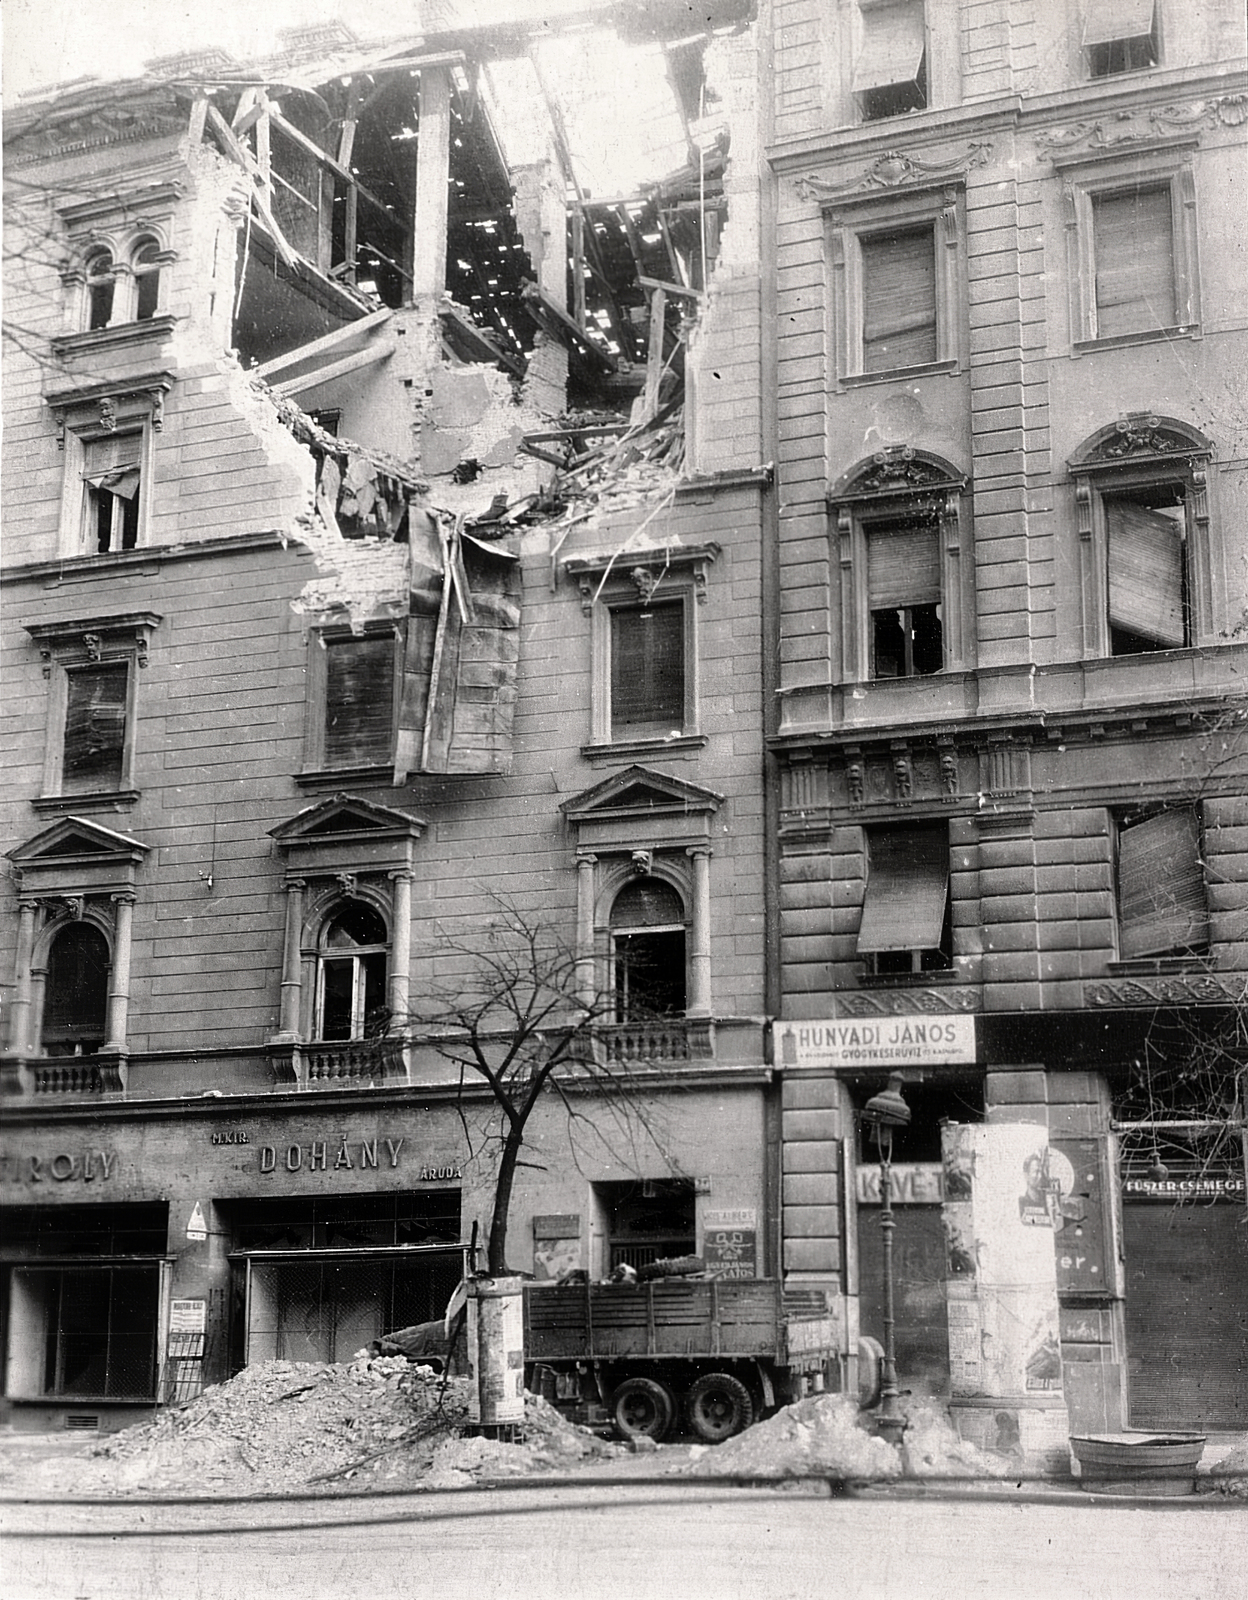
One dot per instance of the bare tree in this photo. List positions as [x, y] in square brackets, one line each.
[519, 1018]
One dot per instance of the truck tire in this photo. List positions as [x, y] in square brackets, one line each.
[717, 1406]
[641, 1406]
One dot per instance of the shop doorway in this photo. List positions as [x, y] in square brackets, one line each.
[1187, 1313]
[919, 1268]
[317, 1279]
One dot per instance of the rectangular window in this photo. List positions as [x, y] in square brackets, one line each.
[111, 474]
[87, 1333]
[1162, 904]
[648, 670]
[899, 299]
[905, 924]
[96, 701]
[1145, 533]
[359, 701]
[1120, 36]
[1133, 247]
[904, 599]
[890, 72]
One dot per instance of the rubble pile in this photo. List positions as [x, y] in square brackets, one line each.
[932, 1448]
[281, 1426]
[822, 1434]
[1226, 1476]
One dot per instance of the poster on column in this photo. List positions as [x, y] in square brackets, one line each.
[1003, 1196]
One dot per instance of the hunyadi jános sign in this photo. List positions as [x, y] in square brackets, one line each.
[898, 1041]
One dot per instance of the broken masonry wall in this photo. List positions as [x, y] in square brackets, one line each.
[723, 372]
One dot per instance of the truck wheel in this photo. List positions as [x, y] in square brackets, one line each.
[640, 1406]
[717, 1406]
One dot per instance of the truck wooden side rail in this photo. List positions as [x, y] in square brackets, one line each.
[720, 1351]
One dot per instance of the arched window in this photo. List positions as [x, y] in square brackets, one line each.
[351, 981]
[145, 264]
[101, 289]
[75, 1005]
[648, 951]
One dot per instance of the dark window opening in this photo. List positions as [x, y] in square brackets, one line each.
[1147, 553]
[899, 299]
[359, 701]
[648, 670]
[95, 727]
[147, 281]
[904, 598]
[343, 1222]
[90, 1230]
[906, 925]
[112, 475]
[648, 1220]
[101, 291]
[75, 1006]
[354, 966]
[93, 1331]
[648, 951]
[1133, 244]
[1162, 900]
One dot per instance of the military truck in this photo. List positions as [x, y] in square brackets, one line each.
[717, 1352]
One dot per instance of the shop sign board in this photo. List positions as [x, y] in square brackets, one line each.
[730, 1242]
[1179, 1186]
[912, 1039]
[911, 1183]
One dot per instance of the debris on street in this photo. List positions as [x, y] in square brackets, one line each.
[283, 1425]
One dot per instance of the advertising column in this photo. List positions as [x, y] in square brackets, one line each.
[1003, 1195]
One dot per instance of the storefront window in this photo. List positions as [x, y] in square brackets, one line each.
[84, 1332]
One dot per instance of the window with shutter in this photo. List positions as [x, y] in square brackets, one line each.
[904, 599]
[359, 701]
[890, 72]
[905, 923]
[898, 299]
[647, 670]
[1147, 580]
[95, 727]
[1120, 36]
[1162, 904]
[1133, 248]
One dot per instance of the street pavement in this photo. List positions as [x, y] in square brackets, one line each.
[631, 1541]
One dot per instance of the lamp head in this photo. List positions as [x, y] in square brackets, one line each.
[887, 1109]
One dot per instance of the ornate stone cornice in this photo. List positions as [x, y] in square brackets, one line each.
[892, 171]
[1202, 990]
[901, 1002]
[1125, 128]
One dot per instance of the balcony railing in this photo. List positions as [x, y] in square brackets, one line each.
[57, 1075]
[656, 1043]
[340, 1063]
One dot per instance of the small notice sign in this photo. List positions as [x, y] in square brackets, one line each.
[732, 1252]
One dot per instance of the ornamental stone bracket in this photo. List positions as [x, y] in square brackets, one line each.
[1205, 990]
[894, 170]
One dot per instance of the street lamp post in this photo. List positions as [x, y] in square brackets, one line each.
[886, 1111]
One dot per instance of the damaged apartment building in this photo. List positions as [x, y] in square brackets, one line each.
[383, 501]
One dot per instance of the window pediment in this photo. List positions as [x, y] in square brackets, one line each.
[348, 834]
[1140, 438]
[897, 471]
[642, 805]
[77, 856]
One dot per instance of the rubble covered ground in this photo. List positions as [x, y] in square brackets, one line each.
[385, 1423]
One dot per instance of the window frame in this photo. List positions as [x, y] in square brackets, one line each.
[892, 487]
[615, 965]
[69, 647]
[921, 969]
[1085, 178]
[1140, 451]
[102, 411]
[1124, 820]
[359, 980]
[1154, 35]
[666, 576]
[851, 221]
[922, 80]
[316, 707]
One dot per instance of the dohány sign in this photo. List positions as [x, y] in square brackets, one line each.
[876, 1042]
